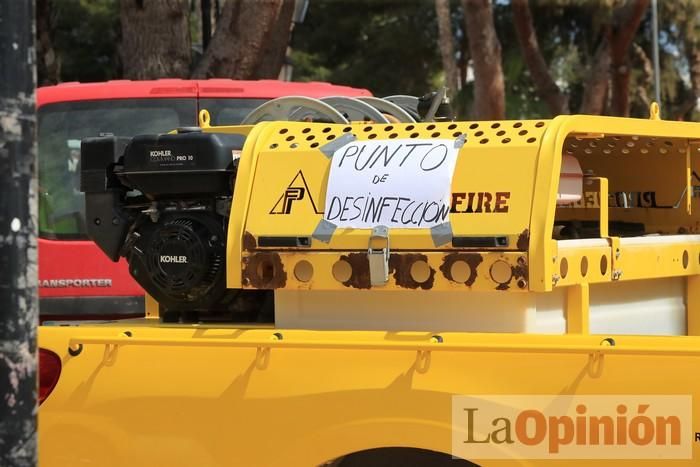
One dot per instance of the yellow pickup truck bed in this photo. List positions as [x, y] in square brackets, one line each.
[527, 331]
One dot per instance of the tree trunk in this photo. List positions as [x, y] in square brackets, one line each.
[694, 65]
[485, 49]
[684, 110]
[641, 61]
[447, 48]
[595, 92]
[464, 58]
[250, 40]
[557, 102]
[155, 39]
[48, 63]
[626, 20]
[18, 224]
[692, 54]
[688, 12]
[206, 23]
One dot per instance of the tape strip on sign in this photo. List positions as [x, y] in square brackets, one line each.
[441, 234]
[330, 148]
[324, 231]
[400, 183]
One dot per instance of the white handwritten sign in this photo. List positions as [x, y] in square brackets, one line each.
[401, 183]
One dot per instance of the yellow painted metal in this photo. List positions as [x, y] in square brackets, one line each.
[477, 268]
[688, 180]
[152, 307]
[625, 260]
[631, 154]
[143, 393]
[204, 119]
[646, 260]
[239, 209]
[633, 165]
[582, 264]
[601, 189]
[615, 255]
[226, 395]
[276, 341]
[291, 155]
[654, 111]
[621, 158]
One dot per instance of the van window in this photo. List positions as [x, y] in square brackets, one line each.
[229, 111]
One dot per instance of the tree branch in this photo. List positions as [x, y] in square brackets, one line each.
[557, 102]
[626, 20]
[595, 92]
[446, 43]
[485, 49]
[250, 40]
[643, 63]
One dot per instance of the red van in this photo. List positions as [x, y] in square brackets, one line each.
[75, 278]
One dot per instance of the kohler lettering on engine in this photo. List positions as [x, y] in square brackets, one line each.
[173, 259]
[162, 202]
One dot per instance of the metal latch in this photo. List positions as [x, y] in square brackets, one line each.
[378, 256]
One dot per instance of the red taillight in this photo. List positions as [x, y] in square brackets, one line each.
[49, 372]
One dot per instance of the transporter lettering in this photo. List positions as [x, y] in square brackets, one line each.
[62, 283]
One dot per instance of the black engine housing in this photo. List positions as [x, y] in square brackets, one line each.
[180, 260]
[162, 202]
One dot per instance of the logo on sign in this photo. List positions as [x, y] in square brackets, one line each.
[297, 191]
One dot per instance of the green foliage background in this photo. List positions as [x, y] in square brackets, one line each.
[85, 37]
[390, 47]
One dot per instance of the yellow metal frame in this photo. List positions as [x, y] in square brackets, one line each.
[363, 340]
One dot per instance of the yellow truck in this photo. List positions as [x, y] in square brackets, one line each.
[327, 292]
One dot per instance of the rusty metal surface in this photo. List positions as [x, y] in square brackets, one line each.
[360, 270]
[264, 271]
[472, 259]
[524, 240]
[400, 267]
[249, 242]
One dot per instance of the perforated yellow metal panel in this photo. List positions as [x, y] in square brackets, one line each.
[496, 157]
[647, 180]
[287, 198]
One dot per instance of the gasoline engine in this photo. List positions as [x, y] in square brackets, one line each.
[162, 202]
